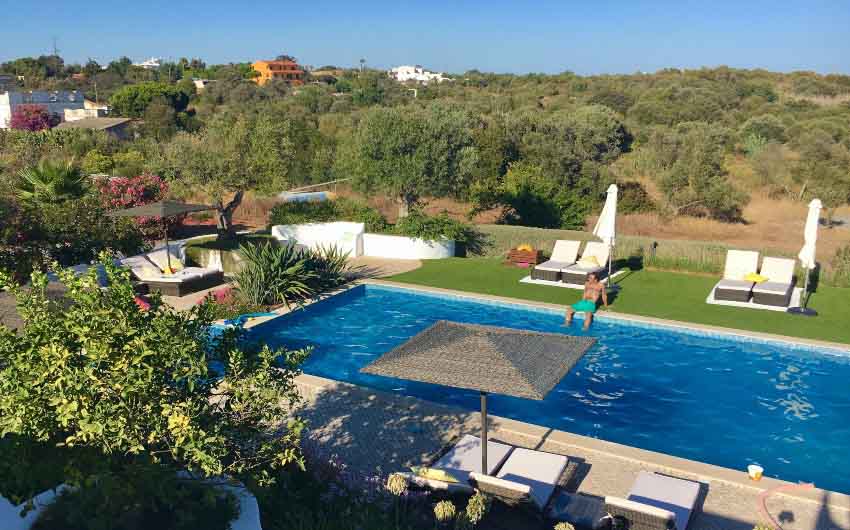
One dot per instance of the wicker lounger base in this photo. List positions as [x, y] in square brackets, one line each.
[187, 287]
[577, 278]
[777, 299]
[549, 276]
[732, 295]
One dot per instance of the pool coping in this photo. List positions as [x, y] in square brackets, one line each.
[701, 471]
[626, 317]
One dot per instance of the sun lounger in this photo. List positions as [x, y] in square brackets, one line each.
[564, 254]
[460, 461]
[527, 477]
[594, 259]
[779, 287]
[150, 269]
[656, 502]
[733, 287]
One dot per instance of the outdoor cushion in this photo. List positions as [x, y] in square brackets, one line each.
[755, 278]
[436, 474]
[142, 267]
[159, 257]
[739, 263]
[778, 270]
[772, 288]
[565, 251]
[465, 456]
[667, 493]
[191, 273]
[589, 262]
[538, 470]
[617, 507]
[734, 285]
[439, 485]
[500, 487]
[598, 251]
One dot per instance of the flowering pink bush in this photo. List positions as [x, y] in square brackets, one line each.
[119, 193]
[33, 118]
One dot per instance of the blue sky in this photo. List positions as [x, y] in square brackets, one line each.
[586, 37]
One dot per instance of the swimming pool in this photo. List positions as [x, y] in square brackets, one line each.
[705, 396]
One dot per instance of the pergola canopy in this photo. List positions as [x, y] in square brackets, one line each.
[520, 363]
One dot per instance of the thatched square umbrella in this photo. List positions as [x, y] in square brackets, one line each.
[519, 363]
[162, 210]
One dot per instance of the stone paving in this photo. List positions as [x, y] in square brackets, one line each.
[376, 432]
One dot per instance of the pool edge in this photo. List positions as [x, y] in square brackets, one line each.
[626, 317]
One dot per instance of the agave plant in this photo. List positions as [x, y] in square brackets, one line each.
[273, 274]
[50, 182]
[329, 265]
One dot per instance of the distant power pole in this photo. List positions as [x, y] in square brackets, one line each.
[55, 48]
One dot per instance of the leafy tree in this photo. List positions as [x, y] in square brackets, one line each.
[233, 154]
[96, 162]
[766, 126]
[32, 118]
[823, 171]
[160, 119]
[133, 100]
[50, 182]
[696, 183]
[149, 386]
[410, 153]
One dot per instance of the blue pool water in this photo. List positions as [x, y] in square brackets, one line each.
[706, 397]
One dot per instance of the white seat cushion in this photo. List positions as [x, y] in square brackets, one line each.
[465, 456]
[734, 285]
[667, 493]
[778, 270]
[141, 267]
[583, 269]
[739, 263]
[159, 257]
[565, 251]
[538, 470]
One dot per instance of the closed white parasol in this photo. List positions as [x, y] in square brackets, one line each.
[807, 253]
[606, 226]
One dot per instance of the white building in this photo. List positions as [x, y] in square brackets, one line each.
[416, 74]
[151, 64]
[55, 103]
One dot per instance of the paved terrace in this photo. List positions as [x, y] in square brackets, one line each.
[376, 432]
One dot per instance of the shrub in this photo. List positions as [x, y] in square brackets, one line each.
[50, 182]
[274, 274]
[841, 267]
[633, 198]
[119, 193]
[341, 209]
[33, 118]
[144, 387]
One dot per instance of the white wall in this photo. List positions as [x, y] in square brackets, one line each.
[398, 247]
[348, 237]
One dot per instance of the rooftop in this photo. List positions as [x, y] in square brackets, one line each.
[100, 124]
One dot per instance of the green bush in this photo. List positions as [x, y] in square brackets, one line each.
[283, 274]
[840, 273]
[341, 209]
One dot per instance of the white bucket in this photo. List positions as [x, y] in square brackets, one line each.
[755, 471]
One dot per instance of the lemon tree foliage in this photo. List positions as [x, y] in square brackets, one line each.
[96, 371]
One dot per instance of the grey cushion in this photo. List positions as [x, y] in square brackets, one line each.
[734, 285]
[465, 456]
[772, 288]
[536, 469]
[667, 493]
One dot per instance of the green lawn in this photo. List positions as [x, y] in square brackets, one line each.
[673, 296]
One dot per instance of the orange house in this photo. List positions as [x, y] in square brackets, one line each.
[284, 70]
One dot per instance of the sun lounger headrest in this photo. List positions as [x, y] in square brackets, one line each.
[565, 251]
[780, 270]
[598, 250]
[637, 511]
[739, 263]
[504, 489]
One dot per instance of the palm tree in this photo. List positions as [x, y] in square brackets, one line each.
[50, 182]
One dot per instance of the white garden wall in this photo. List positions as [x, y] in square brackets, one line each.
[350, 237]
[399, 247]
[347, 237]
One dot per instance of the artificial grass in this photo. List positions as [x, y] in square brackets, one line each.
[668, 295]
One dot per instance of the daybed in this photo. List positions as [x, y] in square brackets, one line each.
[563, 255]
[734, 287]
[656, 502]
[594, 260]
[779, 287]
[152, 269]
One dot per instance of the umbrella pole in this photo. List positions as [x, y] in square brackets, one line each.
[805, 300]
[483, 433]
[167, 250]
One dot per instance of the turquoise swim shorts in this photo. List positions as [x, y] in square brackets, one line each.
[584, 306]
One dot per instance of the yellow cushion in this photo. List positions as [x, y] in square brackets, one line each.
[755, 278]
[525, 248]
[176, 267]
[589, 261]
[434, 474]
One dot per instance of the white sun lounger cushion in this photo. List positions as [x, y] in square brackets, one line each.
[740, 263]
[518, 489]
[465, 456]
[538, 470]
[563, 255]
[596, 250]
[667, 493]
[437, 485]
[142, 267]
[159, 257]
[778, 270]
[734, 285]
[633, 506]
[191, 273]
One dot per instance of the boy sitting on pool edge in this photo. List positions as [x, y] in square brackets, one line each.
[593, 290]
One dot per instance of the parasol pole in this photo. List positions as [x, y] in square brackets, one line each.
[167, 249]
[483, 433]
